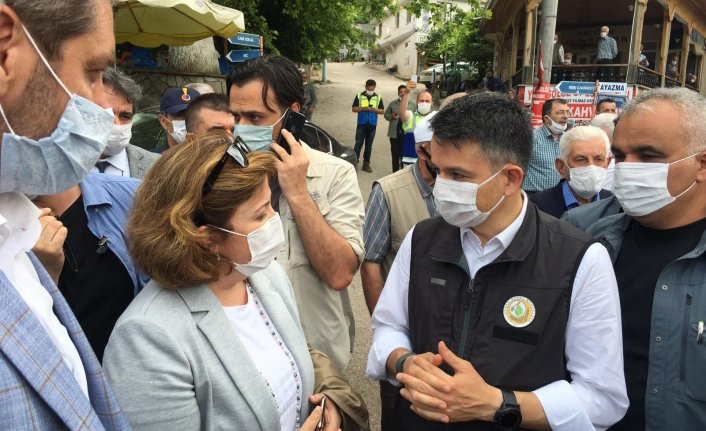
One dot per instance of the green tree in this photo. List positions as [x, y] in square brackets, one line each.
[309, 30]
[455, 33]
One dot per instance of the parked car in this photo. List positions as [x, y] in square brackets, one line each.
[461, 68]
[149, 134]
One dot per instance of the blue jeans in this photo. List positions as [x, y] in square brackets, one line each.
[364, 132]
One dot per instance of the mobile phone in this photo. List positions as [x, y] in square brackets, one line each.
[294, 122]
[322, 422]
[413, 78]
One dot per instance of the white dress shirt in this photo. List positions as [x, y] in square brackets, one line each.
[19, 232]
[596, 396]
[118, 165]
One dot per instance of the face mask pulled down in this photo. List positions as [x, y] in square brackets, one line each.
[264, 242]
[641, 188]
[456, 202]
[55, 163]
[557, 128]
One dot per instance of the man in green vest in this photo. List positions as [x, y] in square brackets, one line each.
[368, 104]
[410, 119]
[397, 202]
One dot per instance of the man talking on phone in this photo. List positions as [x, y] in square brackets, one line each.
[318, 199]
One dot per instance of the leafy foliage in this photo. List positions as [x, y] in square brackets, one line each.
[455, 33]
[309, 30]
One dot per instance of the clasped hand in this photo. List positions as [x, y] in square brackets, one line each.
[437, 396]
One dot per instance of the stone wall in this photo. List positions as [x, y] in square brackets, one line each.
[155, 83]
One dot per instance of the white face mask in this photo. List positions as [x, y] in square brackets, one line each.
[557, 128]
[369, 92]
[179, 133]
[604, 33]
[264, 243]
[120, 135]
[641, 188]
[586, 181]
[456, 202]
[424, 108]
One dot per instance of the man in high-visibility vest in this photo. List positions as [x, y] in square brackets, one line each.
[368, 104]
[410, 119]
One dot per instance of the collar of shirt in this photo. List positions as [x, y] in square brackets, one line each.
[19, 225]
[477, 255]
[94, 195]
[569, 198]
[424, 188]
[118, 165]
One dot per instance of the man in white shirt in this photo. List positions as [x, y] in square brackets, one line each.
[54, 127]
[529, 304]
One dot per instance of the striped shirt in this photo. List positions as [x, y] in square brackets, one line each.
[542, 173]
[607, 49]
[377, 227]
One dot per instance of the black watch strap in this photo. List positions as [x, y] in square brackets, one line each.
[400, 362]
[508, 417]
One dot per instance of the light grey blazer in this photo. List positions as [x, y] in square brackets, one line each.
[176, 363]
[139, 160]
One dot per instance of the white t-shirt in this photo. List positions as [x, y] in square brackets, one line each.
[19, 232]
[267, 355]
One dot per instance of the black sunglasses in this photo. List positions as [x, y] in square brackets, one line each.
[237, 151]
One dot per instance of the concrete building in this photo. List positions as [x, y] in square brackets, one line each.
[399, 35]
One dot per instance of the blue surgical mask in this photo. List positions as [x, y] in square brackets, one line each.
[60, 161]
[256, 137]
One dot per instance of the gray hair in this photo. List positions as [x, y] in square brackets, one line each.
[581, 134]
[691, 104]
[52, 23]
[201, 87]
[115, 79]
[605, 122]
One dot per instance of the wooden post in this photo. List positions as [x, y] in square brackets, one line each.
[664, 45]
[686, 36]
[636, 39]
[515, 42]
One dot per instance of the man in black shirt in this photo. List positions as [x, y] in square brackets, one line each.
[657, 247]
[94, 270]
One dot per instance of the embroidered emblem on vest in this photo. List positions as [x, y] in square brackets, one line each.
[519, 311]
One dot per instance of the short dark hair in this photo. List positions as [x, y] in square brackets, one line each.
[116, 80]
[370, 82]
[500, 127]
[598, 107]
[401, 86]
[276, 72]
[52, 23]
[214, 101]
[425, 91]
[549, 104]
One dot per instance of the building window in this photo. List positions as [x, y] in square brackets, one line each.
[397, 20]
[380, 29]
[409, 17]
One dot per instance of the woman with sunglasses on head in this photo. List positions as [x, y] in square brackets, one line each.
[214, 340]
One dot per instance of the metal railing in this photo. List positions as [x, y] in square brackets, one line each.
[589, 73]
[648, 78]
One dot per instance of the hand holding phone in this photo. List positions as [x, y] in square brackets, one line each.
[322, 423]
[294, 122]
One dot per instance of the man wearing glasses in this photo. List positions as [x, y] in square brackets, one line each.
[317, 196]
[541, 173]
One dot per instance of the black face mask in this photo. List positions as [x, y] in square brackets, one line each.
[430, 166]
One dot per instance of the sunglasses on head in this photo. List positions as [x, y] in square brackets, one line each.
[237, 151]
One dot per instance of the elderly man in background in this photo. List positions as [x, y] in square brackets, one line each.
[310, 97]
[584, 156]
[120, 157]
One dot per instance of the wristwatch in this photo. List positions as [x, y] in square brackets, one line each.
[399, 364]
[508, 417]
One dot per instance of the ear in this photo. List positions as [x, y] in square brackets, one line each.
[296, 107]
[515, 176]
[163, 122]
[208, 242]
[701, 173]
[562, 168]
[17, 56]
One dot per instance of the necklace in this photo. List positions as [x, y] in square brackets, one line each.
[287, 354]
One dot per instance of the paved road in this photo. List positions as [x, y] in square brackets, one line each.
[334, 114]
